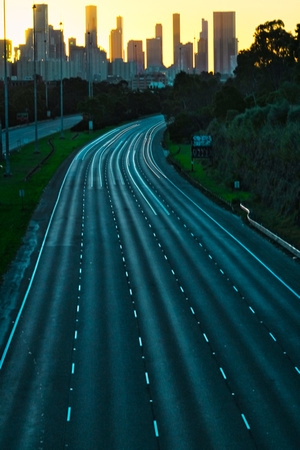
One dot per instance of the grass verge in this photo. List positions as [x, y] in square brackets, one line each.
[212, 183]
[31, 173]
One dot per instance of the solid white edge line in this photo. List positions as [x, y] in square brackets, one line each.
[235, 239]
[34, 271]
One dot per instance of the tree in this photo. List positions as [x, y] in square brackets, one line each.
[269, 60]
[272, 44]
[228, 98]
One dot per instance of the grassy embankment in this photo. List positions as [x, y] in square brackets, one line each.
[212, 182]
[15, 211]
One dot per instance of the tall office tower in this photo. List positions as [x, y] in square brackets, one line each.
[159, 36]
[116, 41]
[176, 39]
[225, 43]
[8, 49]
[186, 57]
[153, 50]
[41, 31]
[135, 54]
[57, 46]
[201, 57]
[91, 26]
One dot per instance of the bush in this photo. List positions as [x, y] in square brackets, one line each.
[278, 113]
[294, 115]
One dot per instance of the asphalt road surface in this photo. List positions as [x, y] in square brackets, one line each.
[19, 136]
[153, 318]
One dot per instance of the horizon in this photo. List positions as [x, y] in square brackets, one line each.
[247, 19]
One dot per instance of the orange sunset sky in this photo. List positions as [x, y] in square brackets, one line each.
[139, 19]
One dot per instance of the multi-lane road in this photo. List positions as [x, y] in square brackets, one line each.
[153, 319]
[22, 135]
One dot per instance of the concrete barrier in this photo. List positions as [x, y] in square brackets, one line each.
[271, 235]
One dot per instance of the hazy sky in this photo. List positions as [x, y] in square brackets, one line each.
[139, 19]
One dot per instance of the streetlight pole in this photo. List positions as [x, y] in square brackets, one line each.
[46, 76]
[61, 85]
[34, 82]
[7, 156]
[90, 79]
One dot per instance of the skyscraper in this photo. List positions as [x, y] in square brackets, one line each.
[176, 38]
[186, 57]
[41, 32]
[201, 57]
[116, 41]
[225, 43]
[91, 26]
[154, 49]
[136, 54]
[159, 36]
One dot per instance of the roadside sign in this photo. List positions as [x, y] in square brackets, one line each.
[201, 146]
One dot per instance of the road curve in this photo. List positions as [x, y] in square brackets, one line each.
[153, 319]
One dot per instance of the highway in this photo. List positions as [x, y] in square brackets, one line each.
[22, 135]
[153, 318]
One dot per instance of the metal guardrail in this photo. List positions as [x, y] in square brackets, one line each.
[271, 235]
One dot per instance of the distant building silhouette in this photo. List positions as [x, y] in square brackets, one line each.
[201, 57]
[186, 63]
[90, 61]
[91, 26]
[154, 49]
[136, 54]
[225, 43]
[42, 32]
[116, 41]
[176, 39]
[8, 58]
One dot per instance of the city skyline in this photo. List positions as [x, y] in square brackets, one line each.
[139, 26]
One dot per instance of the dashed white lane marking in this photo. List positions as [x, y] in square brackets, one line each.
[69, 414]
[223, 373]
[245, 421]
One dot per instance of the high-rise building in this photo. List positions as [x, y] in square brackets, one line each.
[41, 26]
[225, 43]
[91, 26]
[159, 36]
[116, 41]
[201, 57]
[136, 54]
[176, 38]
[186, 57]
[154, 49]
[8, 49]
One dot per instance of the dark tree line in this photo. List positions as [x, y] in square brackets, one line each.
[254, 118]
[110, 104]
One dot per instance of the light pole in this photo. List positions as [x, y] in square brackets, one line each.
[7, 157]
[34, 82]
[90, 80]
[61, 85]
[46, 76]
